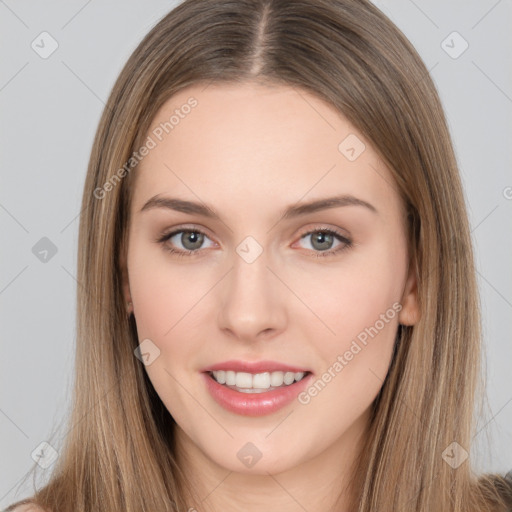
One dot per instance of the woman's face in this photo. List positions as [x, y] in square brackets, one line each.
[242, 260]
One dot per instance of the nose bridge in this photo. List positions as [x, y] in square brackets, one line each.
[252, 302]
[250, 273]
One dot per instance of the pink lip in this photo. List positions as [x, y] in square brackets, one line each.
[255, 404]
[254, 367]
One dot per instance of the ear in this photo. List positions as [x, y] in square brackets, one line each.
[410, 312]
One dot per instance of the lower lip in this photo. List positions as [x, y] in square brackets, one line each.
[254, 404]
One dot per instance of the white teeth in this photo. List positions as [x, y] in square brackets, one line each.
[261, 380]
[230, 378]
[258, 381]
[276, 379]
[289, 377]
[243, 380]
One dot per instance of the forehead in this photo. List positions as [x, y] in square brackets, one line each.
[258, 144]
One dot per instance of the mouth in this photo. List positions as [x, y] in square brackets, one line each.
[245, 382]
[255, 394]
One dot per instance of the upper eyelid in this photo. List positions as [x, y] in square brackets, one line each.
[192, 227]
[336, 231]
[179, 229]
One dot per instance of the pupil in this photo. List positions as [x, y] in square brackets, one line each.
[194, 238]
[322, 239]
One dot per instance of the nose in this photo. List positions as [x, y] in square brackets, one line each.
[252, 301]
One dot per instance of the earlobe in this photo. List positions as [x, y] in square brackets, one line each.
[410, 312]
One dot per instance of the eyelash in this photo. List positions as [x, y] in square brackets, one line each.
[162, 239]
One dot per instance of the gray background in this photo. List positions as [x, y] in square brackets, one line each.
[50, 109]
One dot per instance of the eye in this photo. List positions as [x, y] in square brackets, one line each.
[189, 242]
[326, 242]
[183, 242]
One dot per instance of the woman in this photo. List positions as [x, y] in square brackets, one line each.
[278, 302]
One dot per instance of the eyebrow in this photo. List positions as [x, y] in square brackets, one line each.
[184, 206]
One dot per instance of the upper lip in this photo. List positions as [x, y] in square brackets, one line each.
[254, 367]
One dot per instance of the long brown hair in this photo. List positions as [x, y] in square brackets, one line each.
[119, 453]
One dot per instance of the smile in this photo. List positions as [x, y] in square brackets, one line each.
[251, 398]
[256, 383]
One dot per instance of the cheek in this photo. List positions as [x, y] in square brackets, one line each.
[169, 310]
[167, 302]
[358, 304]
[360, 293]
[165, 294]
